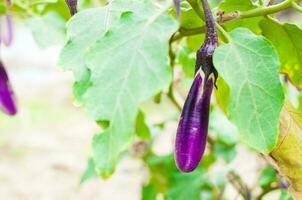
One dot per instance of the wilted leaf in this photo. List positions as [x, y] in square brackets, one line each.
[287, 155]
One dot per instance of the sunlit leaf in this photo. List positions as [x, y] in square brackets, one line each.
[249, 64]
[124, 71]
[287, 38]
[48, 30]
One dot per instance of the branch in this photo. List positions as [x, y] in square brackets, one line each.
[172, 97]
[265, 192]
[260, 11]
[182, 32]
[238, 184]
[297, 7]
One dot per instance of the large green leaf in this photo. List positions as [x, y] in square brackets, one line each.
[82, 32]
[240, 5]
[249, 64]
[128, 63]
[47, 30]
[287, 38]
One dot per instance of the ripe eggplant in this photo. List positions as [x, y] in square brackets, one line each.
[7, 97]
[192, 131]
[72, 5]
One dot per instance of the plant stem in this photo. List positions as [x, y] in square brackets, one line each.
[261, 2]
[297, 7]
[182, 32]
[194, 4]
[265, 192]
[171, 96]
[266, 10]
[25, 8]
[211, 34]
[224, 34]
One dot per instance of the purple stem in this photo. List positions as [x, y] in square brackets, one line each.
[204, 55]
[72, 5]
[7, 97]
[211, 35]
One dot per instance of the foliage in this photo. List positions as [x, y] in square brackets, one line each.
[129, 54]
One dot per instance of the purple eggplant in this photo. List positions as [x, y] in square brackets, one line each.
[7, 97]
[7, 38]
[72, 5]
[192, 131]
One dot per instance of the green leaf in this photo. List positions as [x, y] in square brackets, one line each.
[300, 103]
[128, 64]
[249, 64]
[194, 42]
[287, 38]
[80, 40]
[186, 58]
[284, 195]
[2, 8]
[149, 192]
[142, 130]
[189, 19]
[187, 186]
[240, 5]
[267, 176]
[222, 94]
[89, 172]
[47, 30]
[224, 151]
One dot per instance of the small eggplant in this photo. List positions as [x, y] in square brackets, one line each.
[72, 5]
[193, 125]
[7, 97]
[7, 38]
[192, 131]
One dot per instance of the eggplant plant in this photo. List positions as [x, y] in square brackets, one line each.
[141, 65]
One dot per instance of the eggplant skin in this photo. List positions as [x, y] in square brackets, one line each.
[7, 97]
[72, 5]
[191, 136]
